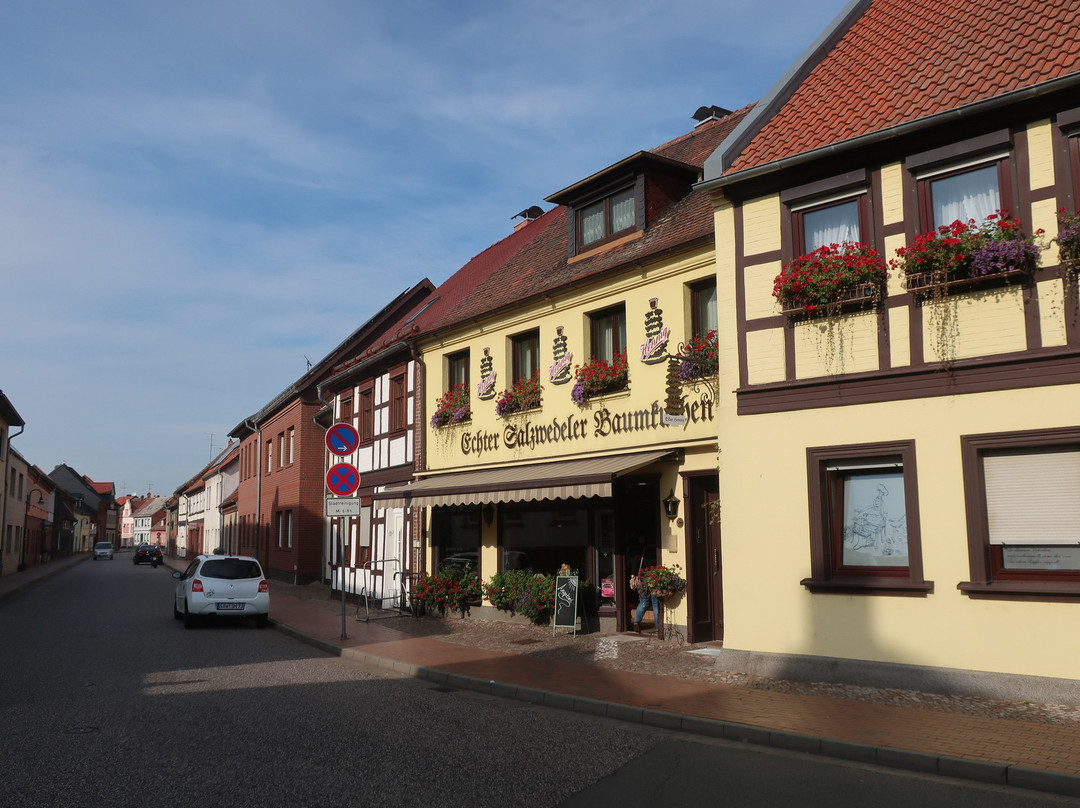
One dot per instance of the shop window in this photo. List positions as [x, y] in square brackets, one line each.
[607, 331]
[864, 533]
[455, 534]
[525, 355]
[1023, 512]
[703, 320]
[367, 415]
[606, 217]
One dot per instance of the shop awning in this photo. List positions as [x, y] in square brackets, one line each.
[565, 479]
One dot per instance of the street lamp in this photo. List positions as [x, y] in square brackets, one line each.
[26, 513]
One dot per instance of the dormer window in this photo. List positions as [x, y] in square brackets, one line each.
[606, 217]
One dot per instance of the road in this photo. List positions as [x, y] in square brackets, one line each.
[107, 701]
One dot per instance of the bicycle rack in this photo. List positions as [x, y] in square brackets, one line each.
[402, 582]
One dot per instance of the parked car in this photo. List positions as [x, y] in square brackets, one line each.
[222, 586]
[103, 549]
[147, 552]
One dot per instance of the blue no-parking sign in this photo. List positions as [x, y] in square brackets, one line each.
[343, 479]
[342, 439]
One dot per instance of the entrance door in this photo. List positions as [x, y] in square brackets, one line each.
[706, 605]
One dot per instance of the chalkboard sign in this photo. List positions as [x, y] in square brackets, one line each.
[566, 594]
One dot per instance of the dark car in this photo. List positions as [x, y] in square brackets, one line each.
[149, 553]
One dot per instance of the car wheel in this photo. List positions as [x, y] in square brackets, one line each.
[262, 620]
[189, 618]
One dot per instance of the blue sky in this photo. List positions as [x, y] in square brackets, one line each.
[196, 196]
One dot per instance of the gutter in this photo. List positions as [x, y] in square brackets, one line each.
[953, 116]
[250, 424]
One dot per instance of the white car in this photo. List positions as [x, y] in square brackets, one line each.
[222, 586]
[103, 549]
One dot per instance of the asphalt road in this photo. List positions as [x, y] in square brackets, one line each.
[107, 701]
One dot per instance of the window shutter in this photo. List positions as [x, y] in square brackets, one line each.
[1033, 498]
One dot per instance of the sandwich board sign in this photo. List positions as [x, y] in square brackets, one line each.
[566, 601]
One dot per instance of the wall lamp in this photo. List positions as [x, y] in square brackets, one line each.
[40, 497]
[671, 505]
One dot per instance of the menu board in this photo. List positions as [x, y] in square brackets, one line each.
[566, 601]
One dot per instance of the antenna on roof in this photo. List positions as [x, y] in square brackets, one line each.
[308, 362]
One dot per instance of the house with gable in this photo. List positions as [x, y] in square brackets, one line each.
[568, 399]
[369, 383]
[151, 510]
[95, 516]
[900, 353]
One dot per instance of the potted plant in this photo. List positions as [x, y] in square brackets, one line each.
[962, 255]
[824, 280]
[663, 581]
[699, 358]
[599, 376]
[452, 407]
[524, 395]
[523, 592]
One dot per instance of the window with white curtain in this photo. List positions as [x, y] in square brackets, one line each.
[607, 217]
[833, 224]
[971, 194]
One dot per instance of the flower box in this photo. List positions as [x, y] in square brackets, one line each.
[831, 279]
[924, 284]
[599, 377]
[862, 296]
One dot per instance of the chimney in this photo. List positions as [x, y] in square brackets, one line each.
[527, 215]
[713, 113]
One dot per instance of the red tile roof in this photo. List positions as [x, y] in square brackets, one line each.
[907, 59]
[535, 259]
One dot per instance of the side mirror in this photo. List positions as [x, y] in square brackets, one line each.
[176, 575]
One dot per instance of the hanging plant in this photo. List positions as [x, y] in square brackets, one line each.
[1068, 241]
[959, 257]
[452, 407]
[827, 282]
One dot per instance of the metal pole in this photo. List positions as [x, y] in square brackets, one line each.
[341, 576]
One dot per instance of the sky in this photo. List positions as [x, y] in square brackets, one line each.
[198, 198]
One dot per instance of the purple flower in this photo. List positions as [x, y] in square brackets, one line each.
[461, 414]
[578, 392]
[1002, 256]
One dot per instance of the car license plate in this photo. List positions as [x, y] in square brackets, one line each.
[230, 607]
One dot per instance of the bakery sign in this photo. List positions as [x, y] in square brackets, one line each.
[525, 433]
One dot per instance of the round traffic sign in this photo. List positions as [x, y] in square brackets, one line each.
[343, 479]
[342, 439]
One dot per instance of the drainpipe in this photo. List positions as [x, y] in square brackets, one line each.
[418, 441]
[326, 523]
[250, 424]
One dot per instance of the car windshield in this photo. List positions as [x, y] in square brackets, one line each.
[103, 546]
[231, 569]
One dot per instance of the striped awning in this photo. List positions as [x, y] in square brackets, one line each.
[565, 479]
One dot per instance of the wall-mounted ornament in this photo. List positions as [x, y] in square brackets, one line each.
[674, 405]
[654, 348]
[485, 388]
[559, 372]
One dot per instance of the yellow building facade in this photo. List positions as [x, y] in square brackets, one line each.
[900, 473]
[528, 465]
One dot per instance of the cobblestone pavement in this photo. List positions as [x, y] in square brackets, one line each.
[674, 657]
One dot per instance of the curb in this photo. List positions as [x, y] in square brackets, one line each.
[988, 772]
